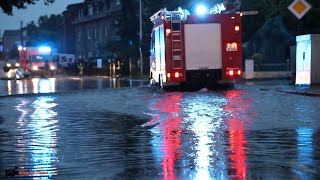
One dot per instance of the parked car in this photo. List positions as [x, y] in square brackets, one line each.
[11, 64]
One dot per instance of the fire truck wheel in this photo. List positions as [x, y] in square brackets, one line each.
[6, 69]
[160, 83]
[52, 74]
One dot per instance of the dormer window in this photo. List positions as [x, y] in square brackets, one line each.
[80, 13]
[90, 9]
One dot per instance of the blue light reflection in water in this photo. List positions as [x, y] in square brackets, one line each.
[305, 146]
[204, 116]
[188, 138]
[43, 140]
[44, 85]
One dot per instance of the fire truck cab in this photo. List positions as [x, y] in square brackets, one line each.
[195, 51]
[36, 61]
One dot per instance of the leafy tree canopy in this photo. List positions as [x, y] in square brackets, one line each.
[8, 5]
[48, 30]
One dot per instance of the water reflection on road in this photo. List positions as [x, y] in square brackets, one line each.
[236, 119]
[37, 135]
[141, 133]
[189, 135]
[63, 84]
[167, 136]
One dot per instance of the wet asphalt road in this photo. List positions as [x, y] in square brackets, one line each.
[87, 130]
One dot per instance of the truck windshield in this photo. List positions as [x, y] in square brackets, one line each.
[40, 58]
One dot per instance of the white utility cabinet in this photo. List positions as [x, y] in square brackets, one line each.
[308, 59]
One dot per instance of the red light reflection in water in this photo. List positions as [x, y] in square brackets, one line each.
[171, 134]
[237, 107]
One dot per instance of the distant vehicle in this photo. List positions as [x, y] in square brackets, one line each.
[195, 50]
[64, 60]
[36, 61]
[11, 64]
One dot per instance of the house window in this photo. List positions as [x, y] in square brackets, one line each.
[105, 31]
[96, 8]
[80, 12]
[79, 36]
[95, 33]
[89, 31]
[90, 9]
[90, 54]
[117, 2]
[107, 4]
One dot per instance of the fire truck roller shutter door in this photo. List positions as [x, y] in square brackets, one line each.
[203, 46]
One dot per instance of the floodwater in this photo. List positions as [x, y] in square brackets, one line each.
[63, 84]
[252, 132]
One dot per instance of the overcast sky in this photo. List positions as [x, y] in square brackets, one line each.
[32, 13]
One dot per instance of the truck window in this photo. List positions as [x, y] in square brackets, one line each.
[175, 26]
[152, 42]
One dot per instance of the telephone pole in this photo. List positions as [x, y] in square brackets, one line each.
[21, 32]
[140, 45]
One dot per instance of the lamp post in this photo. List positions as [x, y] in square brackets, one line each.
[140, 45]
[21, 32]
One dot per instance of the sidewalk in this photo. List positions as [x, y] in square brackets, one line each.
[302, 90]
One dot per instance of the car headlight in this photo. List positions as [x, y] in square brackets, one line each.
[17, 64]
[52, 67]
[35, 68]
[8, 65]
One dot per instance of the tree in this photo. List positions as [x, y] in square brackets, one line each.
[7, 5]
[49, 30]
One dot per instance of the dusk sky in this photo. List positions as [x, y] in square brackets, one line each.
[32, 13]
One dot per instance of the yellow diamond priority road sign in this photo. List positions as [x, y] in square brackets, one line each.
[299, 8]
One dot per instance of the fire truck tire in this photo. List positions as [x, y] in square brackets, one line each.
[6, 69]
[52, 74]
[160, 82]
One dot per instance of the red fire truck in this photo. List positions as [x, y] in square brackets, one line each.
[195, 50]
[36, 61]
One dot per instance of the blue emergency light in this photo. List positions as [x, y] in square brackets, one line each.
[44, 49]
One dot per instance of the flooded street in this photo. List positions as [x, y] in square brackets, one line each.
[86, 129]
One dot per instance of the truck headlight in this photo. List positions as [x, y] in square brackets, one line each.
[52, 67]
[35, 68]
[8, 65]
[17, 64]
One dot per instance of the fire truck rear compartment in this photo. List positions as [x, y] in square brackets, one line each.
[203, 46]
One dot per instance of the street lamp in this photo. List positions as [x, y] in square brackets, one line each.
[140, 47]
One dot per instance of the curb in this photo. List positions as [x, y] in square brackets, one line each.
[303, 93]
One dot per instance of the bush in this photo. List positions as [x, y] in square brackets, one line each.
[257, 58]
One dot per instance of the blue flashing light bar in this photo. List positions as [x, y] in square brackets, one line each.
[201, 10]
[44, 49]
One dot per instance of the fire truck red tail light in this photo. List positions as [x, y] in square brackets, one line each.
[239, 72]
[168, 75]
[236, 28]
[231, 72]
[176, 75]
[168, 32]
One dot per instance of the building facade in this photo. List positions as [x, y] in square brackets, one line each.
[94, 26]
[13, 38]
[69, 36]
